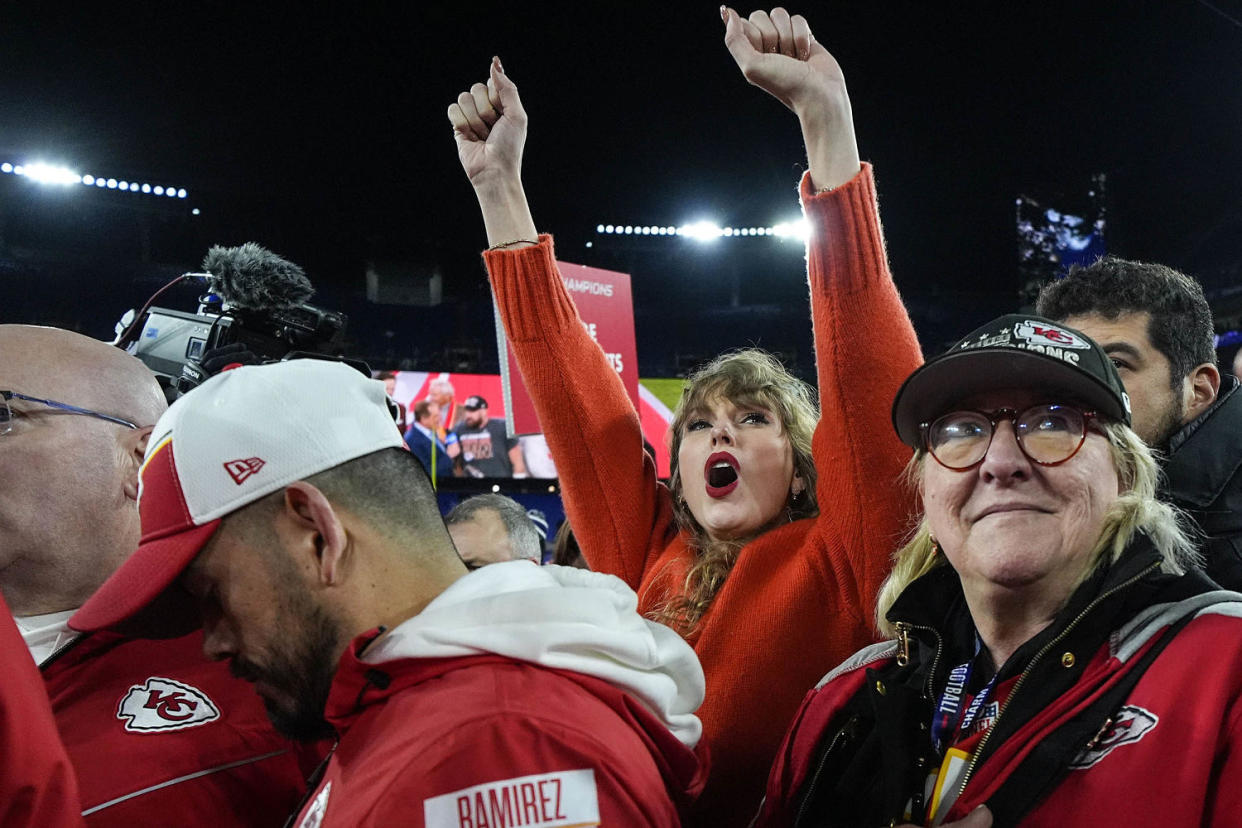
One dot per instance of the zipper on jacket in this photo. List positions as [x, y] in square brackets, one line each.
[904, 629]
[61, 650]
[970, 769]
[903, 643]
[806, 800]
[903, 649]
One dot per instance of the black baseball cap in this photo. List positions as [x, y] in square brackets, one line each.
[474, 403]
[1014, 351]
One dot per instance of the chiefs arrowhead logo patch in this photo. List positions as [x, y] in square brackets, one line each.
[1127, 726]
[163, 704]
[239, 470]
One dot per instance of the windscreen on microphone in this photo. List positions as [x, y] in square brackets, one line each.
[255, 278]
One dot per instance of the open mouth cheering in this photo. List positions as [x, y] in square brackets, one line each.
[721, 474]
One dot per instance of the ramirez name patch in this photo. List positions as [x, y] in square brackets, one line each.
[548, 800]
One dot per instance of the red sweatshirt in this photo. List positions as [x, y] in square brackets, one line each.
[800, 598]
[159, 735]
[521, 696]
[37, 785]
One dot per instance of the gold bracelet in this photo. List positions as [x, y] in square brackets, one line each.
[504, 245]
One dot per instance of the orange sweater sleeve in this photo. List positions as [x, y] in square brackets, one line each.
[619, 512]
[865, 347]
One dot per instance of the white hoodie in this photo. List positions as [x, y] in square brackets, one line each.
[562, 618]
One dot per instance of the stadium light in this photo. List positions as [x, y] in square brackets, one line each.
[54, 175]
[708, 231]
[798, 229]
[49, 174]
[701, 231]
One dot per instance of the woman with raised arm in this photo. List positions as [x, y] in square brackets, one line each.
[768, 546]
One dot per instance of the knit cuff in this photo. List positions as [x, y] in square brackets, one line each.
[528, 290]
[847, 244]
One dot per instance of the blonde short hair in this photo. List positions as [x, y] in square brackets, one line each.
[1135, 510]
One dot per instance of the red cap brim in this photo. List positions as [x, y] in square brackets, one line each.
[139, 581]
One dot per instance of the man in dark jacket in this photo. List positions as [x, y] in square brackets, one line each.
[423, 435]
[1156, 325]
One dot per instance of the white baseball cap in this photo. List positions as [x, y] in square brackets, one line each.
[243, 434]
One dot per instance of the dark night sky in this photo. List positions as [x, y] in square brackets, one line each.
[323, 134]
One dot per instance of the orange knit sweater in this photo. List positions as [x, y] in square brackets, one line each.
[801, 597]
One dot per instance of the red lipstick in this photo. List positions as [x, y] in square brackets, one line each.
[721, 473]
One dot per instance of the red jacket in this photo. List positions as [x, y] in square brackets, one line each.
[486, 740]
[801, 597]
[160, 735]
[37, 785]
[1066, 749]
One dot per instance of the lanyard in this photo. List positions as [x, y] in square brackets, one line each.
[949, 718]
[976, 705]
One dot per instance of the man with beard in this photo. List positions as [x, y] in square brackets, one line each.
[1155, 324]
[281, 502]
[150, 728]
[486, 447]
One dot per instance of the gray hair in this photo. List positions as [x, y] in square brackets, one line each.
[521, 531]
[1135, 510]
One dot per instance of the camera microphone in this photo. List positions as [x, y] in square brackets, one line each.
[251, 277]
[255, 311]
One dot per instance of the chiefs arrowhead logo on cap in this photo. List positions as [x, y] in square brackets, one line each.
[1044, 332]
[239, 470]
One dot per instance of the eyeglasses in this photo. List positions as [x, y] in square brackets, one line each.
[7, 416]
[1047, 434]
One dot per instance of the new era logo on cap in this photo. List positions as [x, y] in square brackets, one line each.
[239, 470]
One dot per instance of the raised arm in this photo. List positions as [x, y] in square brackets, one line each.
[865, 345]
[489, 125]
[777, 53]
[618, 511]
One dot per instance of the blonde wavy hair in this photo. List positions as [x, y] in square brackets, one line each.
[1136, 509]
[747, 376]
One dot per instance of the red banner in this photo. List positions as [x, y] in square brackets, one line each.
[606, 307]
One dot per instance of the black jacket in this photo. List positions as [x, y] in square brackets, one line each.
[1203, 475]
